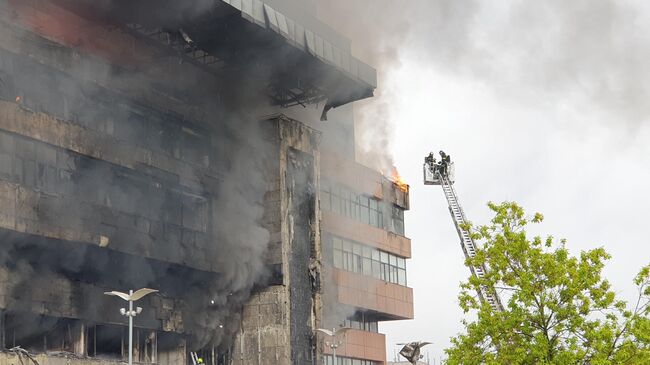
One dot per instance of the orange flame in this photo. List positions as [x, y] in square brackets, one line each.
[397, 180]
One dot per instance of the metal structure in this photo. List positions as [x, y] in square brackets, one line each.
[131, 297]
[411, 351]
[442, 173]
[301, 63]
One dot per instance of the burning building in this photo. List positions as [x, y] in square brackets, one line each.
[202, 148]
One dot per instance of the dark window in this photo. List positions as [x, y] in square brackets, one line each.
[398, 220]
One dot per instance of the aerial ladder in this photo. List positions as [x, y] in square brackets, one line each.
[442, 173]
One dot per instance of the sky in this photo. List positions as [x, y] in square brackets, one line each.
[542, 103]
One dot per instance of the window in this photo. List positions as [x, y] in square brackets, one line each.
[361, 321]
[325, 199]
[401, 271]
[350, 204]
[329, 360]
[369, 261]
[397, 219]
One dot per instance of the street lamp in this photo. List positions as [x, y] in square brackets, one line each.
[131, 297]
[334, 333]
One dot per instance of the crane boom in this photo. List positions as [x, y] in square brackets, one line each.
[442, 174]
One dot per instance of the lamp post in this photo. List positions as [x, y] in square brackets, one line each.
[334, 333]
[131, 297]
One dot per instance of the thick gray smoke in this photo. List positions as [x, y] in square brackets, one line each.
[592, 51]
[377, 30]
[240, 238]
[235, 163]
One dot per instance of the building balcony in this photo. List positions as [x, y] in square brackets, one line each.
[359, 344]
[390, 301]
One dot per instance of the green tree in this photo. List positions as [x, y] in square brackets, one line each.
[558, 307]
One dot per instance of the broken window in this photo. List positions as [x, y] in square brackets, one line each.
[38, 333]
[361, 321]
[145, 344]
[106, 341]
[397, 220]
[211, 356]
[171, 349]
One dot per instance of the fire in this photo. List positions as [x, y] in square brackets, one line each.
[18, 99]
[397, 180]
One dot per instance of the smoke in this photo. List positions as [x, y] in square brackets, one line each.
[218, 225]
[241, 239]
[579, 52]
[377, 33]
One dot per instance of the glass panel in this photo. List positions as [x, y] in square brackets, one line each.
[337, 243]
[373, 204]
[402, 277]
[338, 259]
[336, 204]
[363, 215]
[349, 265]
[325, 201]
[367, 251]
[398, 226]
[374, 218]
[401, 262]
[375, 254]
[364, 201]
[393, 260]
[376, 269]
[384, 257]
[347, 246]
[393, 274]
[367, 266]
[357, 249]
[346, 203]
[354, 213]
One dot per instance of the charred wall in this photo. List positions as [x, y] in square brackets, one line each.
[302, 251]
[279, 321]
[114, 177]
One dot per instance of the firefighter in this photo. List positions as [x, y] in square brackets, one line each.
[432, 163]
[444, 163]
[199, 360]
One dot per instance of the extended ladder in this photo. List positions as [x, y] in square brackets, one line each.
[443, 174]
[467, 243]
